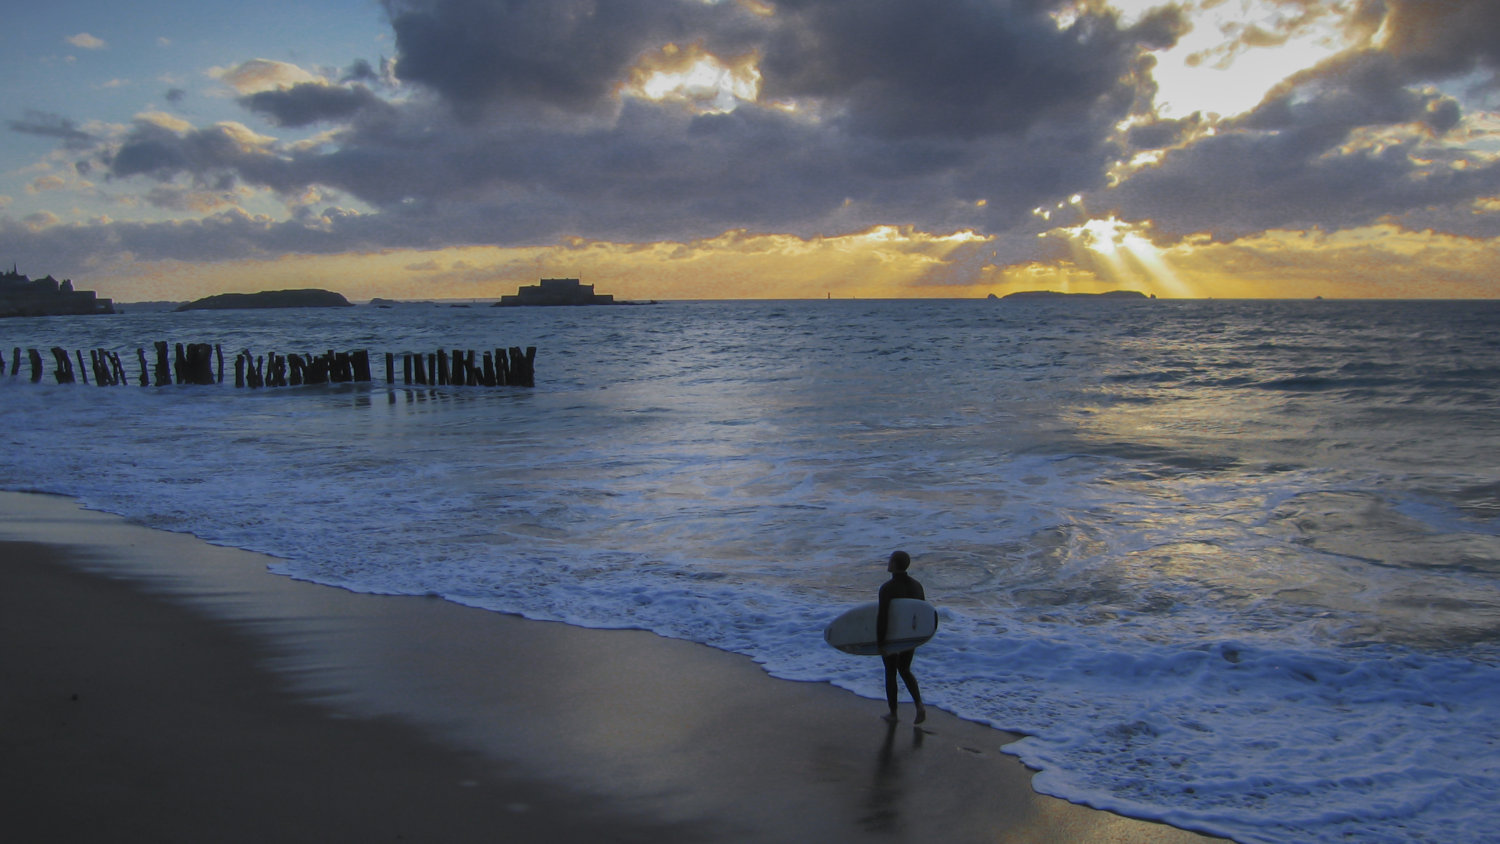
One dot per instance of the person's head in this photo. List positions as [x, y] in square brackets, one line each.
[900, 561]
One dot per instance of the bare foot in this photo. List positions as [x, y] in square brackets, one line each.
[921, 714]
[890, 718]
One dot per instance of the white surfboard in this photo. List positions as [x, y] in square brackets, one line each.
[912, 622]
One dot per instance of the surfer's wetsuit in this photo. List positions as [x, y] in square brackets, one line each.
[901, 585]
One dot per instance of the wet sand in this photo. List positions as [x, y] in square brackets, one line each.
[157, 688]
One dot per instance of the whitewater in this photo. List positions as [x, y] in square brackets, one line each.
[1230, 565]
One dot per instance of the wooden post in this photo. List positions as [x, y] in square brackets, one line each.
[117, 369]
[317, 370]
[219, 353]
[101, 370]
[2, 362]
[83, 371]
[390, 368]
[489, 369]
[180, 364]
[359, 362]
[141, 353]
[15, 362]
[163, 370]
[239, 370]
[521, 366]
[197, 364]
[406, 368]
[502, 368]
[64, 372]
[35, 357]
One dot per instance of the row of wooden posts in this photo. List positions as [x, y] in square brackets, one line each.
[194, 363]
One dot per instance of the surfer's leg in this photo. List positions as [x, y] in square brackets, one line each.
[891, 667]
[903, 664]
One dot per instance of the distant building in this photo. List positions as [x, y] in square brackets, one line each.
[21, 296]
[557, 291]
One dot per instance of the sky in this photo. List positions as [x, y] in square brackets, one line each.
[697, 149]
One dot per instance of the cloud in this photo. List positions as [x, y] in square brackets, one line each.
[528, 134]
[163, 147]
[1437, 40]
[535, 121]
[310, 102]
[49, 125]
[259, 75]
[1357, 139]
[566, 55]
[957, 70]
[85, 41]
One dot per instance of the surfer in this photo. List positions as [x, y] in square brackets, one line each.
[901, 585]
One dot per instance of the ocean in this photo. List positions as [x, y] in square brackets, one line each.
[1232, 565]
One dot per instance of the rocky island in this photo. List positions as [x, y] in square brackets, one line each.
[304, 298]
[21, 296]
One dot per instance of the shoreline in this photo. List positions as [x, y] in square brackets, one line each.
[219, 701]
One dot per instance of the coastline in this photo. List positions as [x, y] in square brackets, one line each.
[218, 701]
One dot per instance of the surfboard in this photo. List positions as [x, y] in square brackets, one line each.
[912, 622]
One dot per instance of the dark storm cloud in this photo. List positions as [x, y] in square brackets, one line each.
[163, 153]
[511, 128]
[910, 125]
[55, 126]
[1432, 40]
[310, 102]
[957, 69]
[562, 54]
[915, 103]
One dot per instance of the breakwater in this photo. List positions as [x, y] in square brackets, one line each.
[203, 363]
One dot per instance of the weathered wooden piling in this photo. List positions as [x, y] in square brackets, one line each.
[163, 371]
[64, 372]
[195, 363]
[101, 371]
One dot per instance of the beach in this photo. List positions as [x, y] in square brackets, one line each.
[160, 688]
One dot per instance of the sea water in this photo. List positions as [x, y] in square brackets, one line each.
[1230, 565]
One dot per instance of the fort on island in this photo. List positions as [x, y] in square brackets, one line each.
[21, 296]
[556, 291]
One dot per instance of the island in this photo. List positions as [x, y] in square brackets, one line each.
[556, 291]
[1053, 294]
[20, 296]
[304, 298]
